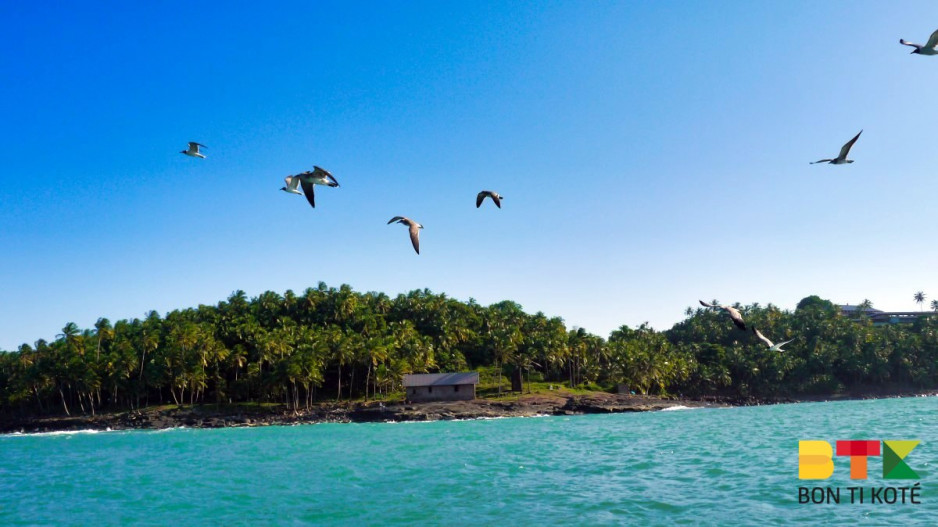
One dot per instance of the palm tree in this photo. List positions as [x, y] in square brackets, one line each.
[863, 309]
[103, 331]
[919, 299]
[70, 332]
[934, 305]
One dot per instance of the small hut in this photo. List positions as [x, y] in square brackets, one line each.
[425, 387]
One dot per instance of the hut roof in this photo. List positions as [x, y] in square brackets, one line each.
[441, 379]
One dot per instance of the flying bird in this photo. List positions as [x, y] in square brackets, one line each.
[318, 176]
[193, 150]
[772, 347]
[414, 230]
[734, 313]
[496, 198]
[927, 49]
[292, 183]
[842, 158]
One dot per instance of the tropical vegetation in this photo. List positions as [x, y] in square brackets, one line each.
[338, 344]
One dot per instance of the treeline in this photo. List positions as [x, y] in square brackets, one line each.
[329, 344]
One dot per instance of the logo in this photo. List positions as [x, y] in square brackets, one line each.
[816, 462]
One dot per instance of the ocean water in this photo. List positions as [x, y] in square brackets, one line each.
[722, 466]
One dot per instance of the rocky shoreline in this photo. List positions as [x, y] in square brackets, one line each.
[212, 416]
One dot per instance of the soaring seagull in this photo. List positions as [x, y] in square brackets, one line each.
[414, 230]
[193, 150]
[842, 158]
[318, 176]
[292, 183]
[928, 48]
[772, 347]
[496, 198]
[734, 313]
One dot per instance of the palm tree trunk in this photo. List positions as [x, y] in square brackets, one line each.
[367, 380]
[65, 406]
[143, 359]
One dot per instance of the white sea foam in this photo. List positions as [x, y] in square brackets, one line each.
[679, 407]
[59, 433]
[159, 430]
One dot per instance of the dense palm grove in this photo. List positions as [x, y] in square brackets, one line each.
[329, 344]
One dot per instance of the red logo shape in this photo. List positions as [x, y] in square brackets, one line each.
[858, 452]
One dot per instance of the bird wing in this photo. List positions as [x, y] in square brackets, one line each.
[907, 43]
[820, 161]
[932, 40]
[762, 337]
[846, 147]
[308, 191]
[396, 218]
[704, 304]
[780, 344]
[292, 182]
[195, 146]
[480, 197]
[497, 200]
[415, 236]
[322, 172]
[737, 318]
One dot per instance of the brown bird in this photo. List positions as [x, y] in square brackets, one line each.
[734, 313]
[491, 194]
[842, 158]
[414, 230]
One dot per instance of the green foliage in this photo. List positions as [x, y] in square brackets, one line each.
[329, 343]
[816, 303]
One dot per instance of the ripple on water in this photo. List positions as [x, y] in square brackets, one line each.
[709, 466]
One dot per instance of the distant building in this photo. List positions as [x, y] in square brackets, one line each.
[879, 317]
[425, 387]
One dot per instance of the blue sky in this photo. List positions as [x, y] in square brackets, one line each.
[651, 153]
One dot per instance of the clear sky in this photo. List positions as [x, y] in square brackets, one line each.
[651, 153]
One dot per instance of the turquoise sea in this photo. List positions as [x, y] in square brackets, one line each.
[721, 466]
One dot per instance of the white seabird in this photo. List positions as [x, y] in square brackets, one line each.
[772, 347]
[318, 176]
[193, 150]
[842, 158]
[292, 183]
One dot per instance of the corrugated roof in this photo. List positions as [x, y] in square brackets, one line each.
[441, 379]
